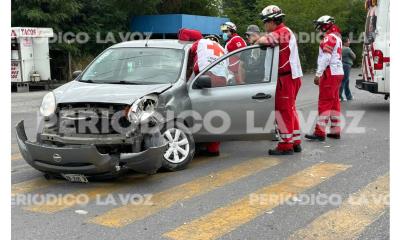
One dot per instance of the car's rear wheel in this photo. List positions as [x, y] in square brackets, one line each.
[180, 149]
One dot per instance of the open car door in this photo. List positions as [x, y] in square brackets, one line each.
[236, 102]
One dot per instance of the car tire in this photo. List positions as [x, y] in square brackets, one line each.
[181, 147]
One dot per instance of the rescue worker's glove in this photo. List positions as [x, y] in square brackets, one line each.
[316, 80]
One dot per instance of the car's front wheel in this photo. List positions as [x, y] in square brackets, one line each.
[181, 148]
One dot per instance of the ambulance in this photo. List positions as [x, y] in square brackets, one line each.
[376, 51]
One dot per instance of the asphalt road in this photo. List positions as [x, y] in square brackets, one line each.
[234, 196]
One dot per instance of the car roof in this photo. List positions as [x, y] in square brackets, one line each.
[156, 43]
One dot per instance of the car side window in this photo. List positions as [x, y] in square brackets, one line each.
[249, 66]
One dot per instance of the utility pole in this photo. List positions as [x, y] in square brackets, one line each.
[69, 63]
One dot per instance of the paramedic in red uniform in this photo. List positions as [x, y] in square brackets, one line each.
[205, 51]
[329, 77]
[233, 42]
[289, 80]
[202, 53]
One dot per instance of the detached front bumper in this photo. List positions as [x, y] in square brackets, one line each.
[85, 159]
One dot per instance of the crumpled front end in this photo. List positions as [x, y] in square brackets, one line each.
[88, 159]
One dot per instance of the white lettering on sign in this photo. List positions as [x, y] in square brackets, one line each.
[15, 72]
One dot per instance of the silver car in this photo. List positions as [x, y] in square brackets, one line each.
[138, 106]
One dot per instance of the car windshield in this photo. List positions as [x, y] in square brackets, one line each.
[136, 66]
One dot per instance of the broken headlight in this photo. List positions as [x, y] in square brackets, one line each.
[143, 109]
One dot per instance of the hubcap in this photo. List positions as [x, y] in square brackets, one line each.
[178, 148]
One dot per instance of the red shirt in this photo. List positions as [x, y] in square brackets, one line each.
[234, 43]
[289, 61]
[329, 42]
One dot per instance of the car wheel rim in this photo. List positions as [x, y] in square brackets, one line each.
[178, 145]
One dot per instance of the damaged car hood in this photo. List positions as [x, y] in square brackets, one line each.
[76, 91]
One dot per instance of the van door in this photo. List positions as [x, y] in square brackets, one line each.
[387, 50]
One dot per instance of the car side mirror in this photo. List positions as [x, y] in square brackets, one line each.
[203, 81]
[76, 74]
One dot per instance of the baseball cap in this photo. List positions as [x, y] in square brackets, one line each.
[252, 29]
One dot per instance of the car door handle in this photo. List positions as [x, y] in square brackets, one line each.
[260, 96]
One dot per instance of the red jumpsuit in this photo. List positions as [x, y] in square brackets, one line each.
[234, 43]
[287, 88]
[330, 70]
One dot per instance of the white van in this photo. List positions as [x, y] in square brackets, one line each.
[376, 54]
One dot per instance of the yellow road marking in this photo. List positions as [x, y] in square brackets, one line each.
[352, 217]
[85, 195]
[32, 185]
[225, 219]
[127, 214]
[16, 156]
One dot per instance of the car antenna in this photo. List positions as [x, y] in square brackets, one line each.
[148, 38]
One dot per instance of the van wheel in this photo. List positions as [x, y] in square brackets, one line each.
[180, 149]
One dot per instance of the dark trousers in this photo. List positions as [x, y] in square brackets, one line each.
[345, 83]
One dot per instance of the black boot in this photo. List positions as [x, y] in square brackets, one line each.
[334, 136]
[315, 137]
[277, 152]
[297, 148]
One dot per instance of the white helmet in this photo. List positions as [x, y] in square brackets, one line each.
[323, 21]
[228, 26]
[271, 12]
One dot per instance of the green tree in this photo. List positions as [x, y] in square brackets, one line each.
[350, 16]
[105, 16]
[196, 7]
[242, 13]
[57, 14]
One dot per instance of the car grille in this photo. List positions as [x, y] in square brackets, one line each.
[95, 119]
